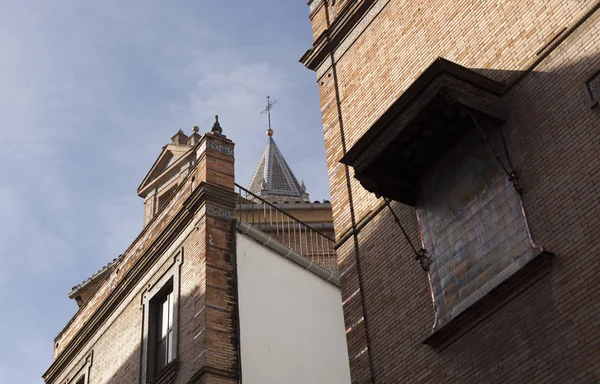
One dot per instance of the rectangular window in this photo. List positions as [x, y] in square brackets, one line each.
[159, 337]
[81, 371]
[165, 196]
[163, 346]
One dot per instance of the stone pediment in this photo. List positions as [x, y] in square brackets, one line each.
[171, 156]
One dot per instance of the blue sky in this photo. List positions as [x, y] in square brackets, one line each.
[89, 93]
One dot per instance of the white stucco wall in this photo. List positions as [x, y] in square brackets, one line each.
[291, 321]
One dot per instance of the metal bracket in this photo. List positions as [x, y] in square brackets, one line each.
[420, 255]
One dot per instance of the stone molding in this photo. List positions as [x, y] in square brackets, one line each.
[352, 20]
[174, 274]
[220, 148]
[82, 369]
[215, 210]
[354, 34]
[313, 4]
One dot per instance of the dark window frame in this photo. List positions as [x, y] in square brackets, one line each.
[153, 298]
[80, 374]
[593, 101]
[160, 337]
[164, 196]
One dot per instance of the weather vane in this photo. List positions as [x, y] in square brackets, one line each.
[268, 109]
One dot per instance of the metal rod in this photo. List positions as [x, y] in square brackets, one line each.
[312, 247]
[487, 141]
[387, 202]
[421, 255]
[294, 233]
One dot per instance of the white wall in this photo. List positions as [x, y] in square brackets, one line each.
[291, 321]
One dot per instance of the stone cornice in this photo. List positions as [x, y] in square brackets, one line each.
[333, 36]
[313, 5]
[214, 196]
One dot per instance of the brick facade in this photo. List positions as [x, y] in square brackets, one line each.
[193, 234]
[543, 327]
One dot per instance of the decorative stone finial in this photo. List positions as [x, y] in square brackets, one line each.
[303, 187]
[216, 126]
[269, 132]
[196, 129]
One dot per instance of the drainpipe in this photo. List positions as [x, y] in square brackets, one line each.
[350, 199]
[236, 291]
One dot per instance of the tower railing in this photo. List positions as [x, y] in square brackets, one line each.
[285, 228]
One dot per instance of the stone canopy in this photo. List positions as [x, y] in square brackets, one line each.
[439, 149]
[420, 126]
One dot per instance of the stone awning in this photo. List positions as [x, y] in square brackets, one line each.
[420, 126]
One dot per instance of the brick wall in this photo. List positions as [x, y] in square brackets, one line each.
[547, 332]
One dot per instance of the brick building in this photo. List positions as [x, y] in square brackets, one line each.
[461, 142]
[200, 297]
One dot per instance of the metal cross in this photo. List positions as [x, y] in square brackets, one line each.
[268, 109]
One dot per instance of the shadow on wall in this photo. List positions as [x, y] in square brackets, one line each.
[110, 366]
[547, 330]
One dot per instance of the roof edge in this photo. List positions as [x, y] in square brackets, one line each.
[271, 243]
[96, 276]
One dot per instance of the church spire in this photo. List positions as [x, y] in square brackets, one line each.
[273, 179]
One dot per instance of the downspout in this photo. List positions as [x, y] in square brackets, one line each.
[350, 198]
[238, 336]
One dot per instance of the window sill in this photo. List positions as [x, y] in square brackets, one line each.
[168, 374]
[530, 273]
